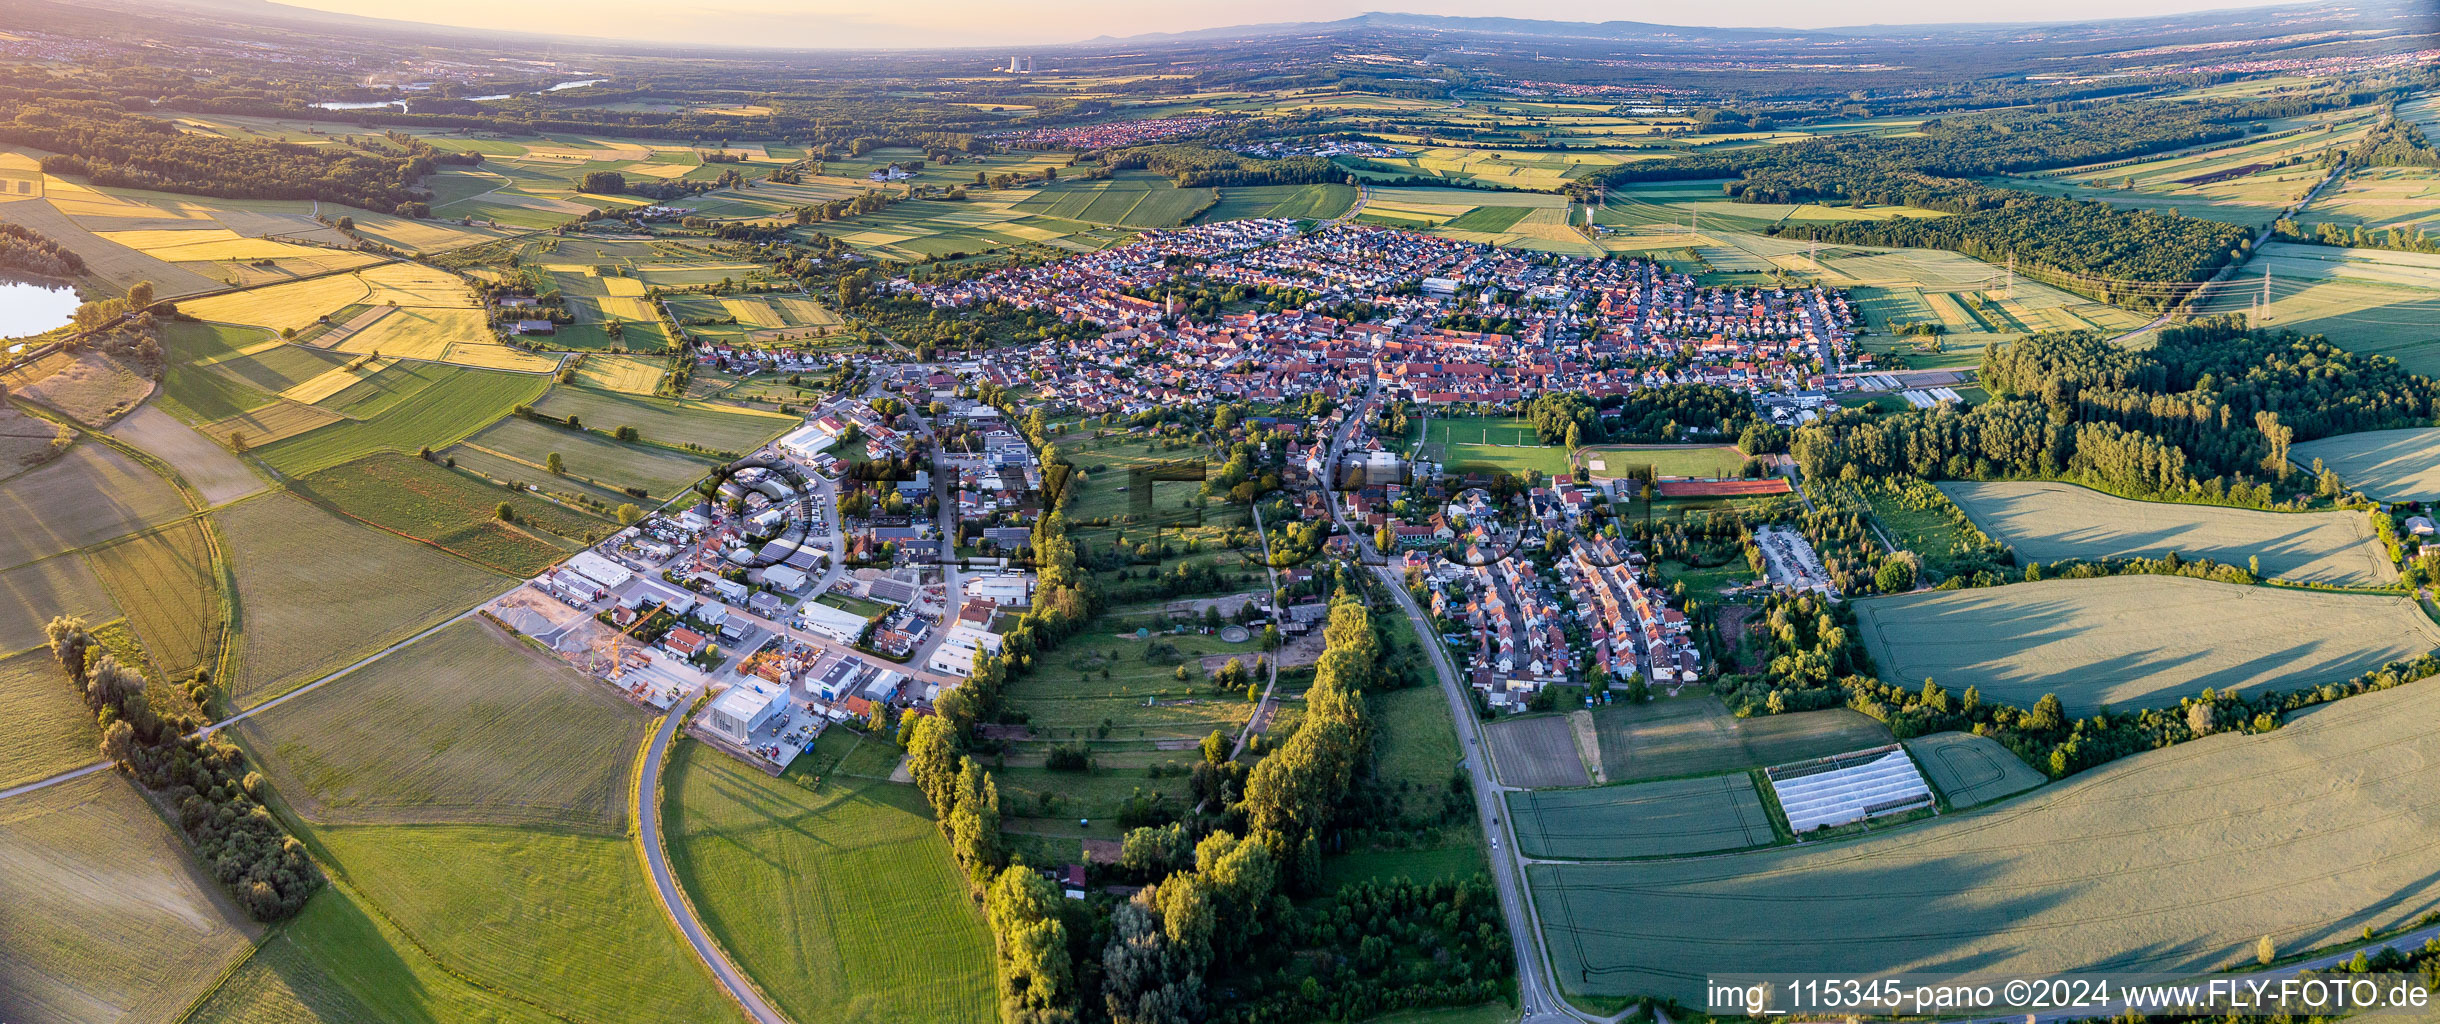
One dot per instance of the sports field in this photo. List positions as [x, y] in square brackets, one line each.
[90, 494]
[666, 421]
[2135, 641]
[2387, 465]
[163, 580]
[109, 918]
[2046, 522]
[821, 895]
[1695, 735]
[1498, 444]
[1971, 770]
[467, 725]
[316, 592]
[1644, 819]
[2098, 872]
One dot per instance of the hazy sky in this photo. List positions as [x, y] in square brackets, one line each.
[931, 23]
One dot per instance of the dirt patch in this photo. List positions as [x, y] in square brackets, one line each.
[1588, 743]
[89, 387]
[28, 441]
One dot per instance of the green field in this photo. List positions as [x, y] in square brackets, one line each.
[1708, 461]
[467, 725]
[2098, 871]
[590, 457]
[337, 961]
[1644, 819]
[1294, 202]
[2046, 522]
[842, 903]
[1130, 199]
[1972, 770]
[163, 580]
[1695, 735]
[2388, 465]
[2135, 641]
[90, 494]
[315, 591]
[664, 421]
[435, 407]
[50, 729]
[109, 917]
[455, 511]
[1495, 444]
[1417, 753]
[1068, 695]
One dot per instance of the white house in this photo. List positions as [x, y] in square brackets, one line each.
[740, 711]
[1003, 588]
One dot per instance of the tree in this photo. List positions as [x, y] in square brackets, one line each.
[140, 296]
[608, 183]
[2200, 717]
[506, 514]
[1216, 747]
[2265, 951]
[974, 825]
[1897, 573]
[555, 465]
[932, 760]
[629, 515]
[1037, 978]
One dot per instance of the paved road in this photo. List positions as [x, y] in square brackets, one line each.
[2197, 296]
[673, 903]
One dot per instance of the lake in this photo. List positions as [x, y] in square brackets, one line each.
[28, 309]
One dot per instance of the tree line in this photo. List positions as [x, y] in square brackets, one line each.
[26, 251]
[218, 800]
[112, 147]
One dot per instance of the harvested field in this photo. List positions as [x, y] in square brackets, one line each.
[27, 441]
[820, 893]
[90, 494]
[90, 387]
[2388, 465]
[109, 918]
[163, 580]
[1644, 819]
[634, 375]
[455, 511]
[269, 424]
[1972, 770]
[1536, 752]
[31, 594]
[295, 305]
[718, 427]
[554, 918]
[2135, 641]
[49, 728]
[2046, 522]
[467, 725]
[207, 467]
[107, 263]
[303, 612]
[1695, 735]
[2334, 812]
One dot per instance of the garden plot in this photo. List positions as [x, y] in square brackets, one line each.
[1644, 819]
[2333, 812]
[1972, 770]
[2047, 522]
[2388, 465]
[2135, 641]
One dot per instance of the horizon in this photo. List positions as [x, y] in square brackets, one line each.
[945, 24]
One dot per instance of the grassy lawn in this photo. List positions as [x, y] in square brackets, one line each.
[853, 605]
[842, 902]
[1068, 695]
[1712, 461]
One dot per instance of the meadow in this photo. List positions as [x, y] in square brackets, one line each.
[2388, 465]
[468, 726]
[1417, 753]
[666, 421]
[338, 961]
[404, 409]
[822, 894]
[2135, 641]
[1068, 696]
[1644, 819]
[91, 388]
[50, 729]
[316, 591]
[2047, 522]
[1695, 735]
[163, 579]
[1626, 460]
[1971, 770]
[109, 917]
[590, 457]
[2094, 873]
[2368, 301]
[455, 511]
[91, 494]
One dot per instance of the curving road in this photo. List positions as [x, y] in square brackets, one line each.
[665, 885]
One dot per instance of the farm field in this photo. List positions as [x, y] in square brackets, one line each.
[315, 591]
[111, 266]
[1524, 220]
[549, 917]
[1294, 202]
[1531, 169]
[666, 421]
[1624, 460]
[921, 230]
[590, 457]
[2388, 465]
[634, 375]
[2135, 641]
[91, 388]
[468, 726]
[163, 580]
[2047, 522]
[109, 918]
[1532, 753]
[336, 961]
[753, 318]
[1643, 819]
[404, 409]
[50, 729]
[1695, 735]
[2368, 301]
[820, 894]
[2091, 873]
[90, 494]
[454, 511]
[2380, 198]
[1972, 770]
[207, 467]
[32, 593]
[1130, 199]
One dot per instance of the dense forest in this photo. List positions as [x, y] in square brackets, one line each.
[26, 251]
[1203, 166]
[2208, 414]
[111, 147]
[2115, 255]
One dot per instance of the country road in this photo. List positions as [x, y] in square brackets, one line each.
[656, 862]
